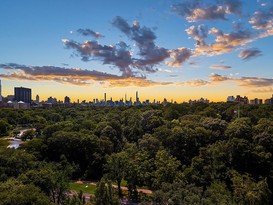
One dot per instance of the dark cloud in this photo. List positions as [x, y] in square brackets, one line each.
[59, 71]
[144, 37]
[89, 32]
[75, 76]
[118, 55]
[250, 53]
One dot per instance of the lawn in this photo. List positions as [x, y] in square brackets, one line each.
[86, 188]
[4, 143]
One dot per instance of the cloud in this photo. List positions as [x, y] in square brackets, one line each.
[164, 70]
[262, 20]
[144, 38]
[255, 82]
[89, 32]
[117, 55]
[179, 56]
[193, 11]
[214, 77]
[135, 82]
[263, 90]
[130, 64]
[220, 67]
[250, 53]
[233, 6]
[199, 33]
[197, 10]
[173, 76]
[198, 82]
[224, 42]
[249, 82]
[74, 76]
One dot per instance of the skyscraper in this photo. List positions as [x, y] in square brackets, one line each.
[137, 99]
[66, 100]
[37, 99]
[22, 94]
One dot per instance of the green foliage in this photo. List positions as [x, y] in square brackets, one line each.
[187, 154]
[166, 168]
[14, 162]
[4, 128]
[52, 179]
[105, 194]
[247, 191]
[76, 199]
[116, 166]
[13, 192]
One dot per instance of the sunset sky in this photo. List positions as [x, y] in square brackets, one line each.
[176, 49]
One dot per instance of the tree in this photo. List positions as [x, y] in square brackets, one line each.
[76, 199]
[4, 127]
[105, 193]
[52, 179]
[166, 168]
[247, 191]
[217, 193]
[149, 144]
[13, 192]
[117, 165]
[240, 128]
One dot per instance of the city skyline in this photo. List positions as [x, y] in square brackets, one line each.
[178, 50]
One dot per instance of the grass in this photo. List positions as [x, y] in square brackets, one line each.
[4, 143]
[86, 188]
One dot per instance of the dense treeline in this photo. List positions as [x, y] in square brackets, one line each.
[186, 154]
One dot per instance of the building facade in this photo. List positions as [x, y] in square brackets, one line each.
[22, 94]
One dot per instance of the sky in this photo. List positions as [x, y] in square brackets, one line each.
[174, 49]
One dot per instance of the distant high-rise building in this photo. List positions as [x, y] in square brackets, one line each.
[66, 100]
[256, 101]
[230, 99]
[22, 94]
[137, 96]
[104, 97]
[269, 101]
[37, 99]
[243, 100]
